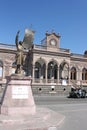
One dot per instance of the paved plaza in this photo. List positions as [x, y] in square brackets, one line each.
[75, 110]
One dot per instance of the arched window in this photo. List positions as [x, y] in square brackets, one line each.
[52, 70]
[73, 73]
[40, 69]
[63, 71]
[84, 74]
[13, 68]
[37, 70]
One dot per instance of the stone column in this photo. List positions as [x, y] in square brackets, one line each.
[58, 75]
[3, 72]
[46, 74]
[33, 73]
[79, 76]
[69, 75]
[41, 74]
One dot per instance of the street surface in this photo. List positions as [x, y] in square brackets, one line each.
[75, 110]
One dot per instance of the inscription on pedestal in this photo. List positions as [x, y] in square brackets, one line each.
[20, 92]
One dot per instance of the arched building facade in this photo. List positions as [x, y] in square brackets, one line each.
[47, 64]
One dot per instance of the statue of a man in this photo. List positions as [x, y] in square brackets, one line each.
[19, 56]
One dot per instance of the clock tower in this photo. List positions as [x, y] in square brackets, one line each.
[52, 41]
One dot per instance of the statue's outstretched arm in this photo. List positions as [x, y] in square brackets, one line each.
[16, 39]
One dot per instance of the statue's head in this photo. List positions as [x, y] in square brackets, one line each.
[20, 42]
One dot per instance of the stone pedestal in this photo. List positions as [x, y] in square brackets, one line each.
[18, 110]
[18, 98]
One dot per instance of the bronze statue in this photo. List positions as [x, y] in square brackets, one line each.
[19, 56]
[26, 44]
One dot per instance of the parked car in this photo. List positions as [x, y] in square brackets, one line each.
[77, 93]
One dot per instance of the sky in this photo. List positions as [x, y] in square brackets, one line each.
[67, 17]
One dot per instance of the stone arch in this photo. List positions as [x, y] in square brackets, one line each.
[40, 60]
[64, 70]
[52, 69]
[40, 68]
[53, 60]
[64, 62]
[84, 74]
[73, 74]
[75, 66]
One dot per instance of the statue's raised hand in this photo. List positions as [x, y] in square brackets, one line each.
[18, 32]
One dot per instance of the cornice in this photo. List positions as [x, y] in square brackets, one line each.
[51, 53]
[57, 35]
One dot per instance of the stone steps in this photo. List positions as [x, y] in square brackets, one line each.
[59, 90]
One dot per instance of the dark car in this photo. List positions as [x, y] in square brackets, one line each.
[77, 93]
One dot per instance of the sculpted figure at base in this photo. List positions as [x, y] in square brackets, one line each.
[19, 56]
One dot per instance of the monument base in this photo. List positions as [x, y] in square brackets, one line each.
[18, 110]
[18, 98]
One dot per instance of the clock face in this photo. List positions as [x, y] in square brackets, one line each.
[53, 42]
